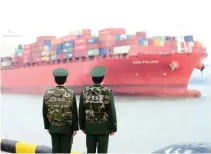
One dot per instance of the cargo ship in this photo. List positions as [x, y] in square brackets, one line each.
[136, 64]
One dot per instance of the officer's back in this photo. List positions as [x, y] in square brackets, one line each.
[97, 113]
[60, 113]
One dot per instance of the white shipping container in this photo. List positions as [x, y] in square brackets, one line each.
[121, 49]
[6, 63]
[46, 48]
[45, 53]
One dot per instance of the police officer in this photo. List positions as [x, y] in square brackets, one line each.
[97, 113]
[60, 113]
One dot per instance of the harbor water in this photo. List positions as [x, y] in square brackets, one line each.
[144, 124]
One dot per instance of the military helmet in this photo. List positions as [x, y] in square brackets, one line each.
[98, 71]
[59, 72]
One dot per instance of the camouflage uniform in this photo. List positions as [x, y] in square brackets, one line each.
[60, 115]
[97, 114]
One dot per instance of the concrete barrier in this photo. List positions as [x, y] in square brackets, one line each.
[13, 146]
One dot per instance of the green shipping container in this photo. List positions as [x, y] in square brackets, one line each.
[93, 52]
[18, 50]
[162, 43]
[146, 43]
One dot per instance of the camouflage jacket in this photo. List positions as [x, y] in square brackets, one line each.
[96, 106]
[58, 106]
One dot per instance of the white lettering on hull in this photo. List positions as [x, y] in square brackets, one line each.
[146, 62]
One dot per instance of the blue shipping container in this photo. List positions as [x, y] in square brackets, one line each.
[188, 38]
[58, 49]
[20, 47]
[93, 40]
[4, 59]
[123, 37]
[102, 51]
[167, 38]
[141, 41]
[47, 42]
[79, 36]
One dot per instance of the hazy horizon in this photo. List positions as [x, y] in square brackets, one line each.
[33, 18]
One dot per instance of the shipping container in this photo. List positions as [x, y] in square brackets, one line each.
[79, 36]
[86, 32]
[170, 38]
[37, 49]
[58, 49]
[45, 53]
[82, 41]
[121, 49]
[19, 54]
[6, 63]
[93, 40]
[80, 52]
[67, 44]
[47, 43]
[158, 38]
[36, 54]
[112, 31]
[70, 55]
[198, 44]
[53, 47]
[36, 59]
[132, 41]
[162, 42]
[143, 41]
[156, 42]
[188, 38]
[47, 58]
[20, 46]
[67, 50]
[18, 50]
[53, 57]
[27, 46]
[80, 47]
[93, 46]
[56, 41]
[141, 34]
[107, 37]
[123, 37]
[102, 51]
[27, 50]
[47, 48]
[93, 52]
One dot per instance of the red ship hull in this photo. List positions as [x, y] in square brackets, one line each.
[146, 75]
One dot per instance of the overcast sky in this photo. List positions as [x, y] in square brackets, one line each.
[40, 17]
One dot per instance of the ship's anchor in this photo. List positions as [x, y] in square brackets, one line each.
[174, 66]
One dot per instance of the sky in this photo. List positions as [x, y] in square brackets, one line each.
[57, 17]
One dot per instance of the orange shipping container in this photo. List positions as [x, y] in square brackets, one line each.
[107, 37]
[156, 42]
[93, 46]
[56, 41]
[86, 32]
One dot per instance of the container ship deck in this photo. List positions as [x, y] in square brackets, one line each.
[137, 65]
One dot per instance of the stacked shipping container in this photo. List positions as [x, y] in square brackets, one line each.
[110, 41]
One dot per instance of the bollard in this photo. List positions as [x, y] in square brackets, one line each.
[13, 146]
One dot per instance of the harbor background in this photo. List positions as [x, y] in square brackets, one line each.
[144, 124]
